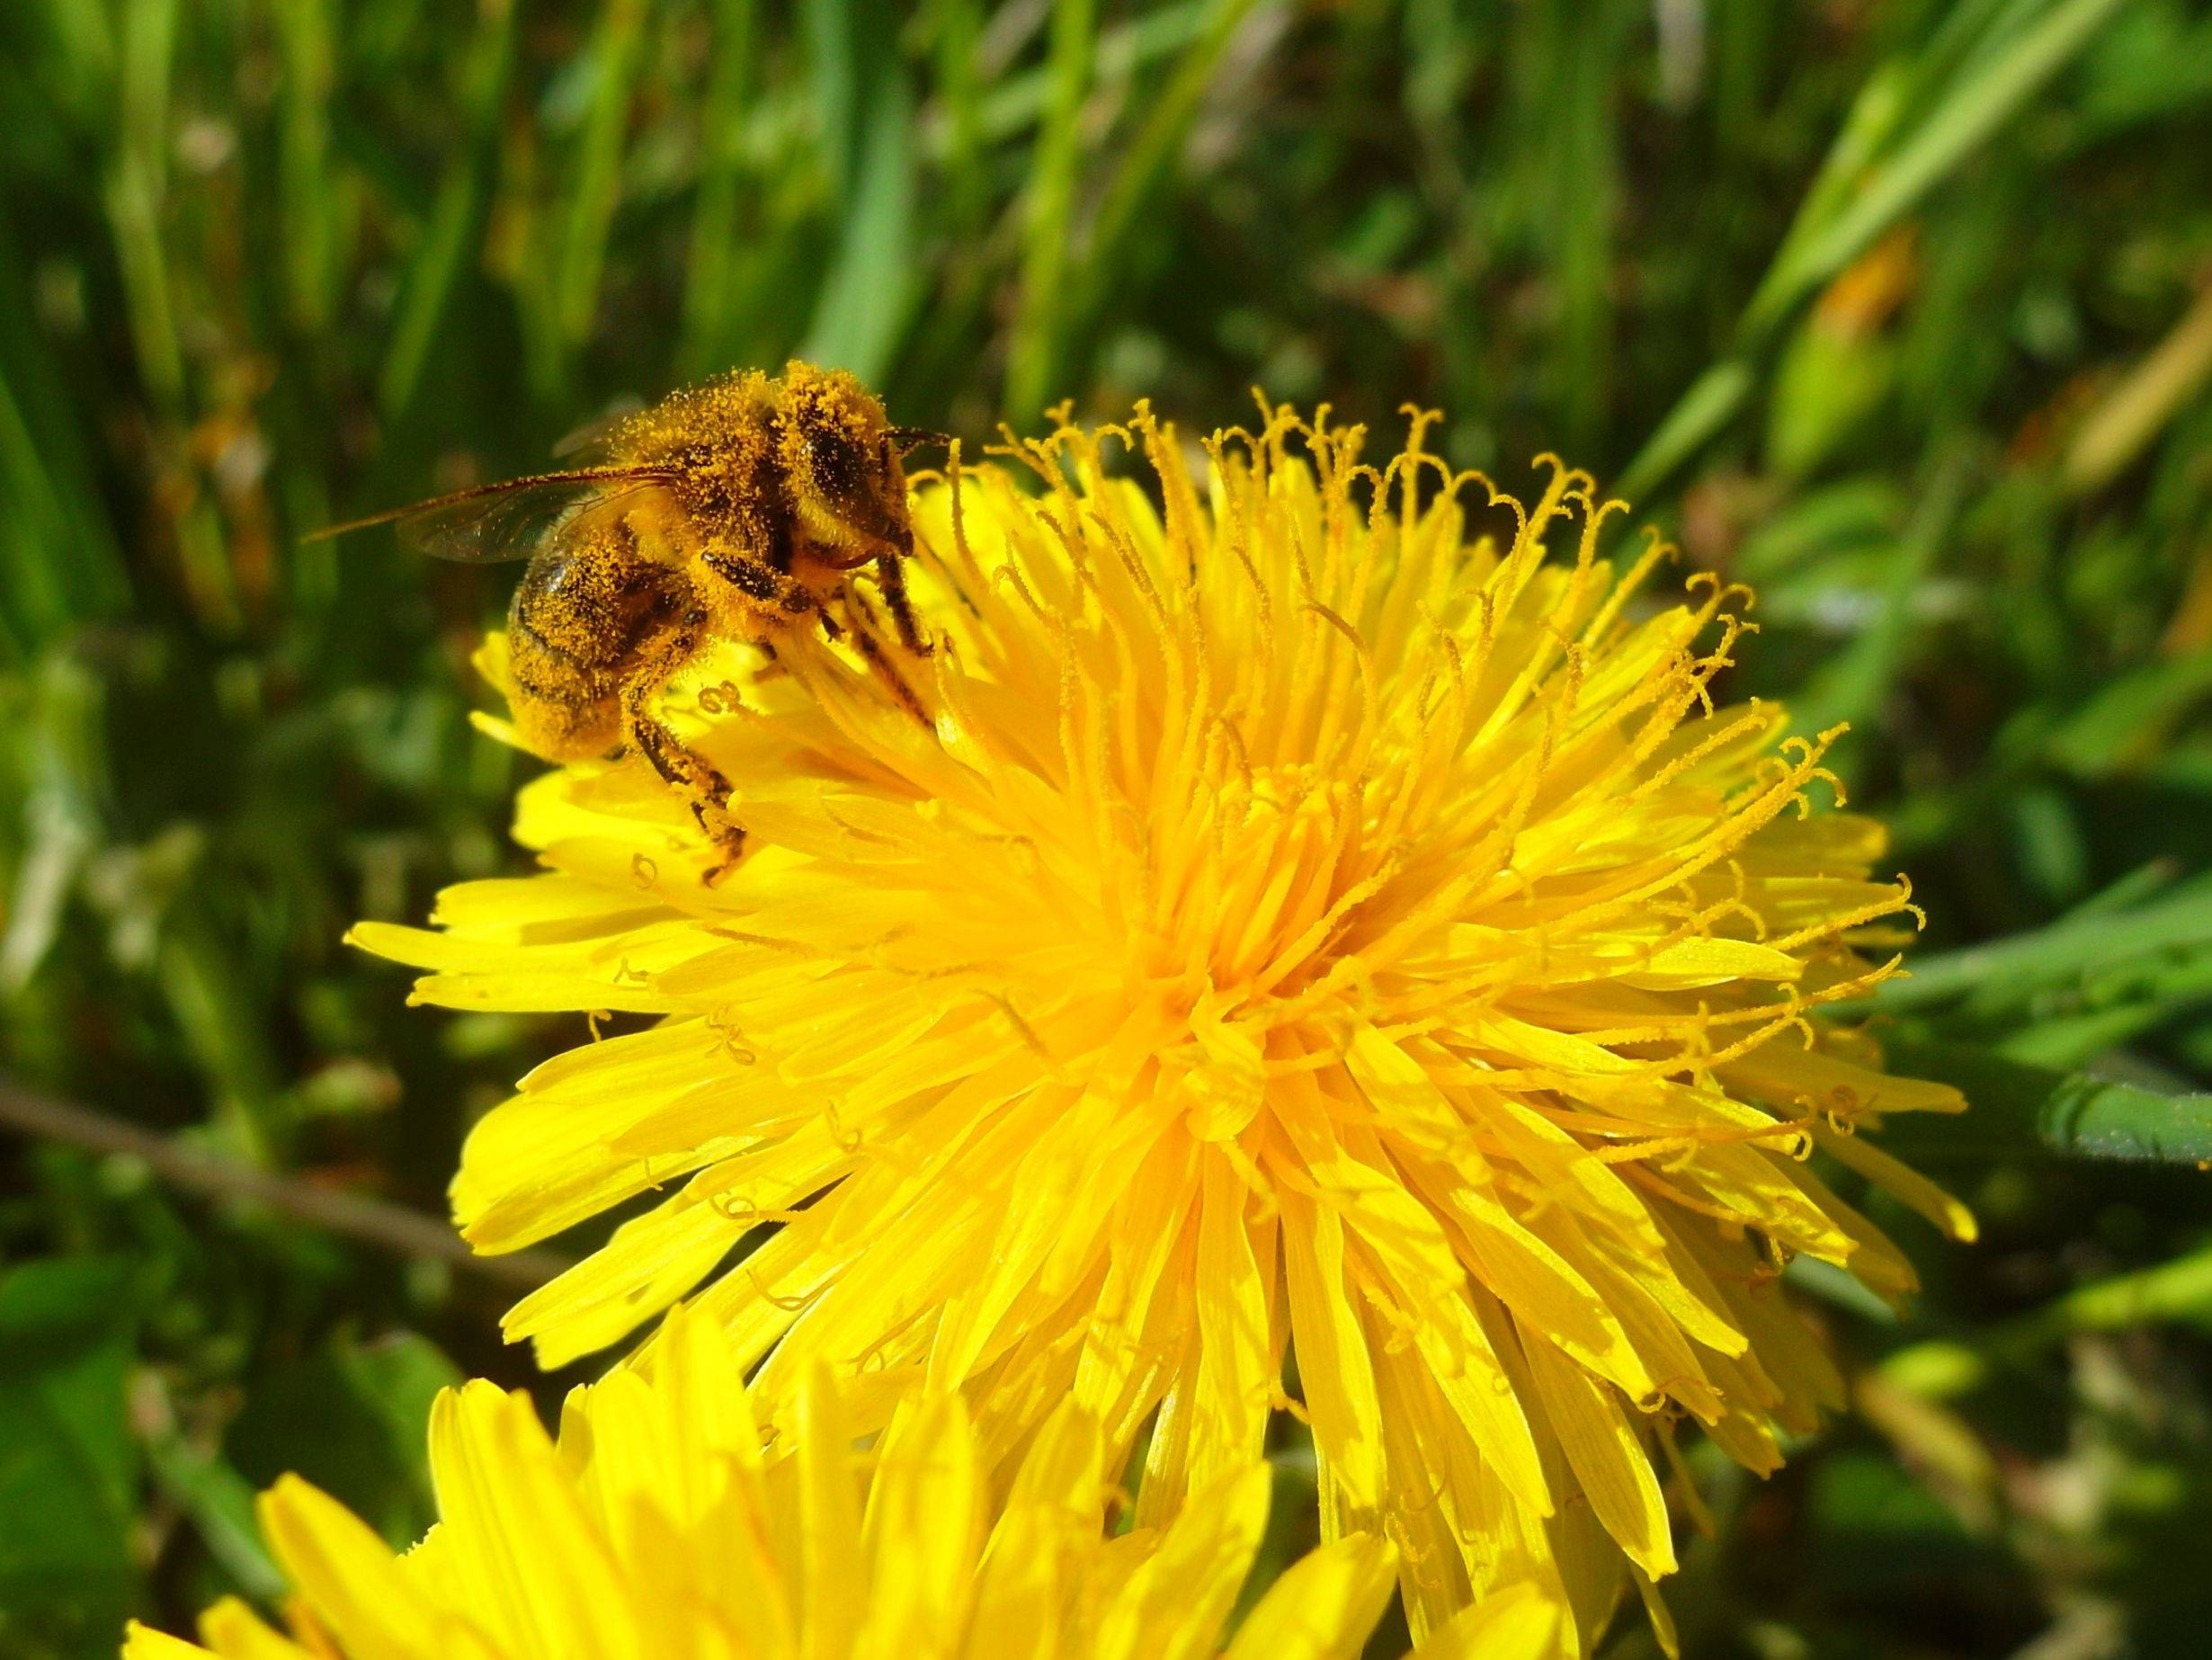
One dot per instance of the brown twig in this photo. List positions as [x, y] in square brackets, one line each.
[376, 1221]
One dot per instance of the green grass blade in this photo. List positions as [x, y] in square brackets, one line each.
[1902, 139]
[1569, 198]
[2063, 954]
[834, 49]
[434, 272]
[1710, 403]
[314, 200]
[2131, 721]
[958, 90]
[1147, 164]
[1033, 345]
[1993, 89]
[2016, 1110]
[1852, 685]
[136, 186]
[710, 279]
[2175, 1292]
[865, 302]
[594, 186]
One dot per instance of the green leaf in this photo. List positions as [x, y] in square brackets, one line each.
[1890, 1527]
[2016, 1109]
[353, 1419]
[210, 1490]
[2178, 1293]
[395, 1378]
[68, 1466]
[1911, 1520]
[2172, 1293]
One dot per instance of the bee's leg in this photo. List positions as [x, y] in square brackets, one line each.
[891, 582]
[774, 590]
[685, 770]
[862, 622]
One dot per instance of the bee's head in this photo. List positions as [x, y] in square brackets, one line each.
[840, 462]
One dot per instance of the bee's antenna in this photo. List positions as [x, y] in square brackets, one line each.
[914, 437]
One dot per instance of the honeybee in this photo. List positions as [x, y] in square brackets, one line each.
[738, 509]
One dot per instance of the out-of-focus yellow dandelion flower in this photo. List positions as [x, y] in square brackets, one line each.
[663, 1524]
[1309, 926]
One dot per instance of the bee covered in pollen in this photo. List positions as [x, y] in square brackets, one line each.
[740, 509]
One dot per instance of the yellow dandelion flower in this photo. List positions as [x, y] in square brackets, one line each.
[664, 1523]
[1310, 928]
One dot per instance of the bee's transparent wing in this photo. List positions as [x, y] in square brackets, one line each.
[590, 445]
[510, 521]
[507, 521]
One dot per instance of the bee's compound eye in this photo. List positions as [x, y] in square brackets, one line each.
[834, 460]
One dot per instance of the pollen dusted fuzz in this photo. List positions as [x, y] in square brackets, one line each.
[740, 509]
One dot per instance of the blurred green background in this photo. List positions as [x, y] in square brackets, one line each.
[1901, 312]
